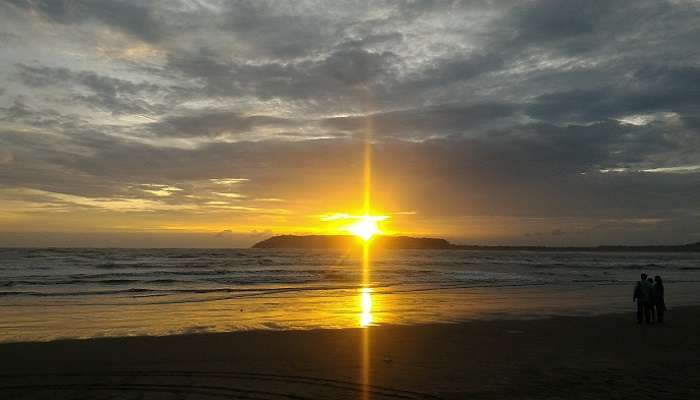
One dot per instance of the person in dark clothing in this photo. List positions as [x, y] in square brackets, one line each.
[642, 295]
[659, 303]
[652, 302]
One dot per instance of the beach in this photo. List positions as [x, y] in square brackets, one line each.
[50, 294]
[298, 324]
[604, 356]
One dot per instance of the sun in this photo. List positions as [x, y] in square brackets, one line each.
[365, 228]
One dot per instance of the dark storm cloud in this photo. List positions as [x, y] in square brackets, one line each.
[117, 96]
[214, 123]
[426, 121]
[450, 71]
[339, 74]
[656, 89]
[42, 76]
[277, 34]
[356, 66]
[572, 28]
[568, 26]
[132, 17]
[346, 72]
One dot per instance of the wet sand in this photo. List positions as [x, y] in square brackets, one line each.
[607, 356]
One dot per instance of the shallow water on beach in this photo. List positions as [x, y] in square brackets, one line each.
[77, 293]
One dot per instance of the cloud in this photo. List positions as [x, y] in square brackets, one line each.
[215, 123]
[6, 157]
[117, 96]
[423, 122]
[481, 109]
[224, 233]
[228, 181]
[131, 17]
[338, 75]
[566, 26]
[571, 29]
[270, 31]
[450, 70]
[160, 190]
[656, 89]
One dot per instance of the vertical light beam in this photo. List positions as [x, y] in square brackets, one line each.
[366, 291]
[367, 172]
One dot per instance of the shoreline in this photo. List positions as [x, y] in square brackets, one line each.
[689, 248]
[484, 318]
[605, 356]
[480, 307]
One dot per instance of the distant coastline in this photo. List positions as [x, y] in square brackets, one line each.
[347, 241]
[407, 242]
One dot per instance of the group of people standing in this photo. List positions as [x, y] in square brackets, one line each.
[649, 295]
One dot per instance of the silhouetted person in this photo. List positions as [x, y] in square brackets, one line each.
[652, 302]
[642, 295]
[659, 302]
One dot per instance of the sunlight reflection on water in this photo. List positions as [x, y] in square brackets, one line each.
[366, 307]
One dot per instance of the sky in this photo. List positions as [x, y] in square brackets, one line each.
[219, 123]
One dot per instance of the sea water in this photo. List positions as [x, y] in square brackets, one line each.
[48, 294]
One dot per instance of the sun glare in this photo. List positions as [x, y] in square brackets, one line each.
[365, 228]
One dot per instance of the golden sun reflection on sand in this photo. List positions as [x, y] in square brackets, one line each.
[365, 318]
[366, 307]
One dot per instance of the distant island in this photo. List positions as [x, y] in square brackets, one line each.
[407, 242]
[348, 241]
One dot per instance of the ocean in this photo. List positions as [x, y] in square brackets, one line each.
[48, 294]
